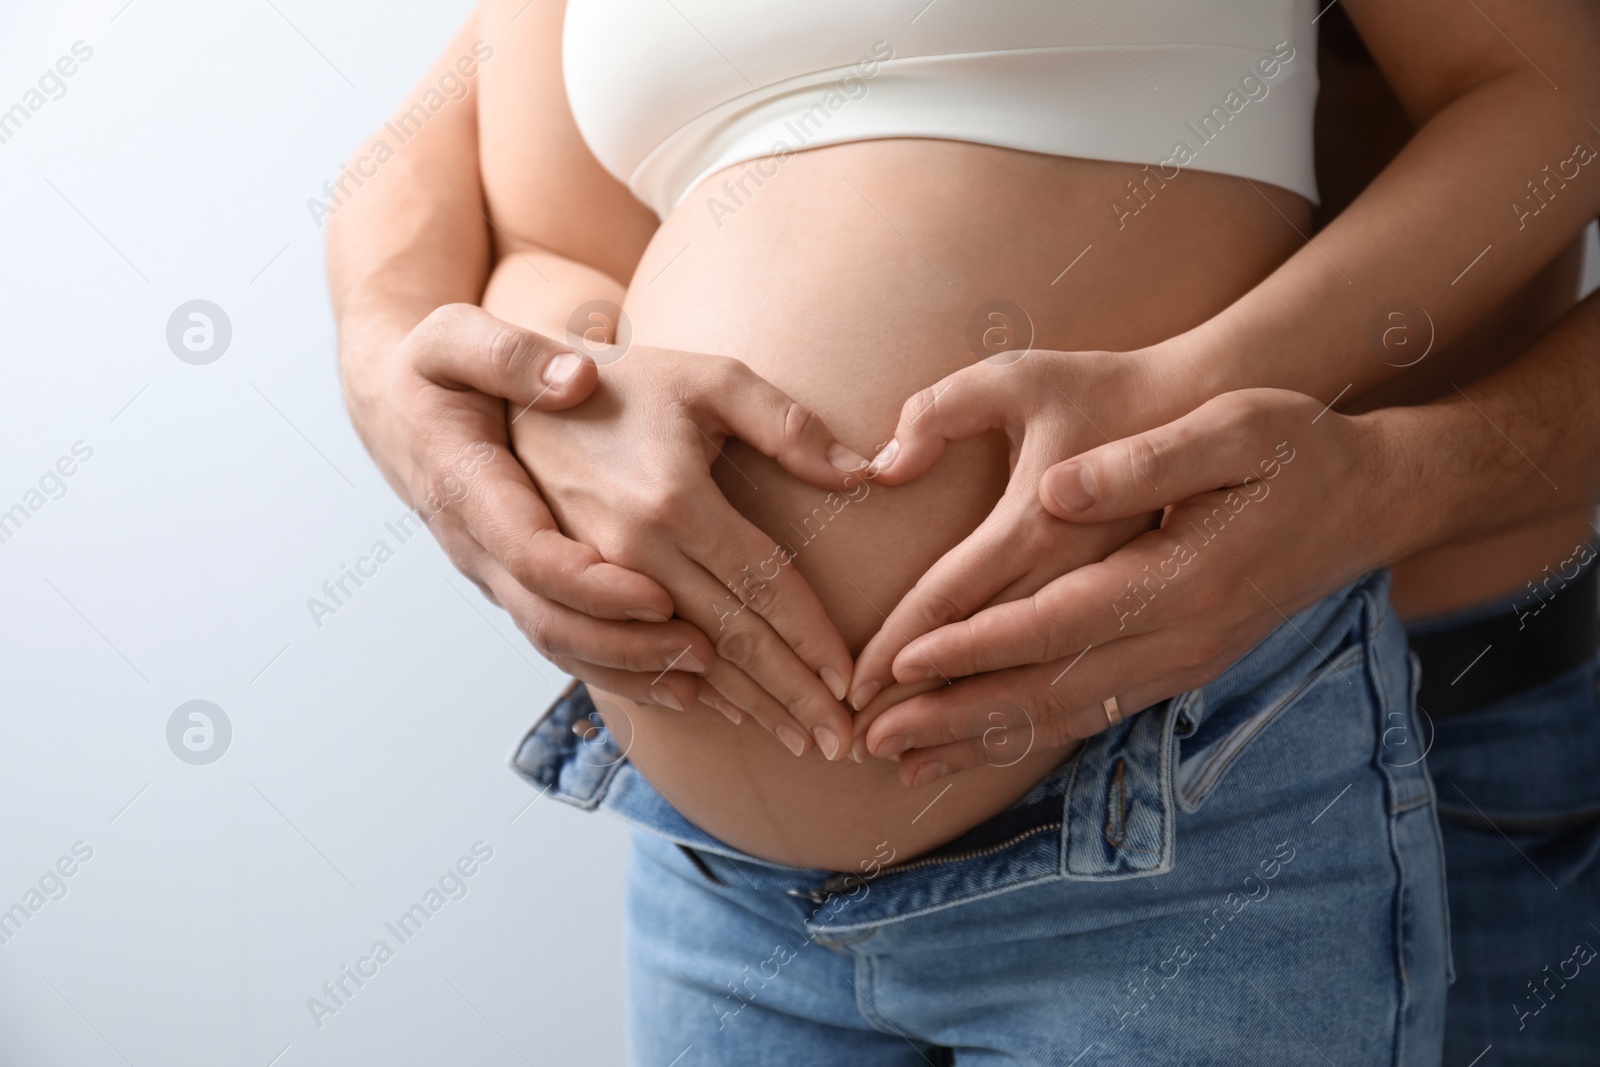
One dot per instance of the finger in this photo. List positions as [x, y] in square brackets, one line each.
[885, 700]
[746, 641]
[1010, 735]
[1091, 605]
[924, 766]
[761, 415]
[964, 404]
[1060, 701]
[962, 581]
[761, 574]
[1003, 746]
[504, 514]
[559, 632]
[1215, 446]
[463, 346]
[673, 690]
[735, 689]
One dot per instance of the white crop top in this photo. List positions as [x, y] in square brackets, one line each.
[668, 92]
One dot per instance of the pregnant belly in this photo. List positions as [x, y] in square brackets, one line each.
[849, 278]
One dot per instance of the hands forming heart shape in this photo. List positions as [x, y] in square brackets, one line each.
[624, 564]
[750, 636]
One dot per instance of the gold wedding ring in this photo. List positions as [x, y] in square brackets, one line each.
[1113, 710]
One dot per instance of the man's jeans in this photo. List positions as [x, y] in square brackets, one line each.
[1247, 874]
[1519, 803]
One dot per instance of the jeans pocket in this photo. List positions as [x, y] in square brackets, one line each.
[1227, 732]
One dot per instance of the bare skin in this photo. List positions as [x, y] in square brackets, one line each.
[565, 232]
[1360, 127]
[1411, 234]
[863, 322]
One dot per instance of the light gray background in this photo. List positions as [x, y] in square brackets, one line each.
[368, 755]
[372, 753]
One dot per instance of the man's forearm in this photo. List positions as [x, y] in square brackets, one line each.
[411, 233]
[1517, 446]
[413, 236]
[1440, 229]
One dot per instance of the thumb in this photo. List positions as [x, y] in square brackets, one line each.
[1226, 441]
[767, 419]
[464, 347]
[965, 404]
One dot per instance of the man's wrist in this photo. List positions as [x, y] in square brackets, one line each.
[1413, 501]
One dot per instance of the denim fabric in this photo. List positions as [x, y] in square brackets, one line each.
[1247, 874]
[1519, 804]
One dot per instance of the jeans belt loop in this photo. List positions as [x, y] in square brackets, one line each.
[1121, 811]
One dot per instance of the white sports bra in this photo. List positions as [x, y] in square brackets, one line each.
[668, 92]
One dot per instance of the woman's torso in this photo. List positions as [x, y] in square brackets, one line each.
[847, 276]
[848, 280]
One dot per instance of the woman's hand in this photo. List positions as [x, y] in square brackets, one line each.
[629, 472]
[437, 419]
[1272, 502]
[1051, 405]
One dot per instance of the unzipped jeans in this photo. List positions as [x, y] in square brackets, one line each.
[1250, 873]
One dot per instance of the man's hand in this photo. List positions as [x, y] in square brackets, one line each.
[630, 473]
[1272, 502]
[436, 423]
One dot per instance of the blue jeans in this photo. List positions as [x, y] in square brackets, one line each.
[1519, 804]
[1247, 874]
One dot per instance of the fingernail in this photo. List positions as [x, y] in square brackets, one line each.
[858, 750]
[666, 697]
[826, 740]
[928, 772]
[685, 661]
[917, 672]
[893, 747]
[1072, 488]
[560, 370]
[646, 615]
[792, 739]
[729, 712]
[835, 684]
[864, 695]
[884, 457]
[844, 459]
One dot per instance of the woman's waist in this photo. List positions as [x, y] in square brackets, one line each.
[740, 785]
[1336, 671]
[871, 245]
